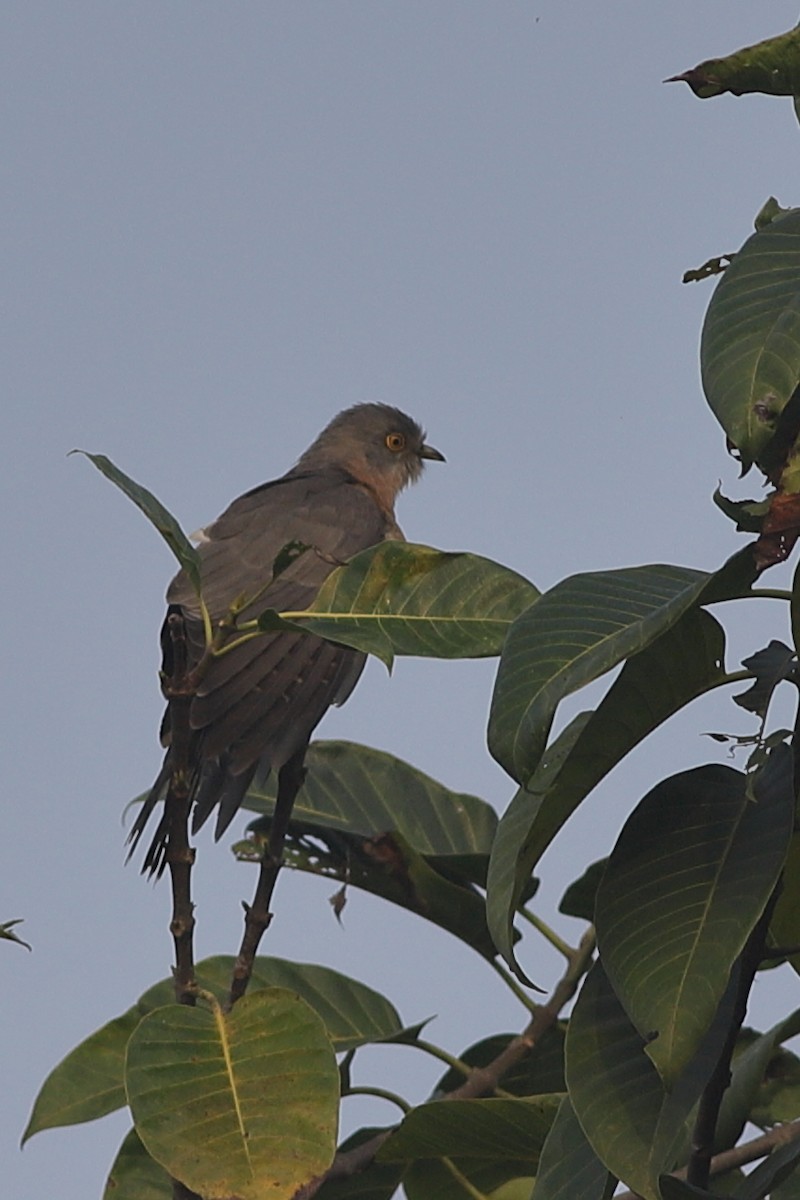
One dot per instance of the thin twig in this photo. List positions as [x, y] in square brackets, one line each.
[257, 914]
[179, 854]
[482, 1080]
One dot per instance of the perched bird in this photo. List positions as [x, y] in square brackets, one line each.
[257, 706]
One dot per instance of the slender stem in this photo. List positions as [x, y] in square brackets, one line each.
[550, 934]
[257, 914]
[511, 983]
[381, 1094]
[455, 1064]
[179, 855]
[462, 1180]
[767, 593]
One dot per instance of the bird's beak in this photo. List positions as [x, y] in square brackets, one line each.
[433, 455]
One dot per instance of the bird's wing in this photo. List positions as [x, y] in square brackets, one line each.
[261, 701]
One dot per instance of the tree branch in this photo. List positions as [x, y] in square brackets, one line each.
[740, 1156]
[257, 914]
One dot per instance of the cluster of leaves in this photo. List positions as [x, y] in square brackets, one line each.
[653, 1072]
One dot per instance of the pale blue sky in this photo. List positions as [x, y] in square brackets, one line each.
[223, 222]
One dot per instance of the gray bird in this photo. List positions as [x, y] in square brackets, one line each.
[257, 706]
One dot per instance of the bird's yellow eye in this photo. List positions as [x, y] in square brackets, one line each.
[396, 442]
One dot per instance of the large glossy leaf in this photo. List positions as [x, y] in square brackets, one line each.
[750, 348]
[636, 1128]
[242, 1104]
[686, 882]
[155, 512]
[400, 598]
[361, 791]
[575, 633]
[134, 1175]
[569, 1169]
[88, 1083]
[771, 66]
[682, 664]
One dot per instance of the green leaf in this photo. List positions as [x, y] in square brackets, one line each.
[156, 514]
[134, 1175]
[488, 1141]
[753, 1062]
[569, 1169]
[636, 1128]
[357, 790]
[482, 1129]
[242, 1104]
[575, 633]
[771, 66]
[747, 514]
[686, 882]
[682, 664]
[88, 1083]
[7, 932]
[579, 898]
[750, 346]
[399, 598]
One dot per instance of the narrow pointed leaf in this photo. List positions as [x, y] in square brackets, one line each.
[569, 1169]
[400, 598]
[575, 633]
[7, 932]
[134, 1175]
[750, 347]
[682, 664]
[240, 1105]
[156, 514]
[686, 882]
[88, 1083]
[636, 1128]
[771, 66]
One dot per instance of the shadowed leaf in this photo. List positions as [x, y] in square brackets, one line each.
[569, 1167]
[134, 1175]
[636, 1128]
[7, 932]
[156, 514]
[489, 1141]
[676, 668]
[686, 882]
[242, 1104]
[750, 346]
[770, 666]
[379, 1181]
[400, 598]
[579, 898]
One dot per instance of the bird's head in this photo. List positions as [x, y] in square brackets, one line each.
[378, 445]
